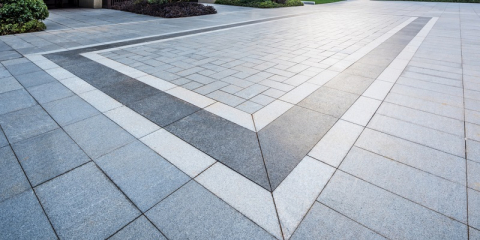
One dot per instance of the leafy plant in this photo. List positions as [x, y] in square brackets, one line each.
[14, 28]
[261, 3]
[22, 11]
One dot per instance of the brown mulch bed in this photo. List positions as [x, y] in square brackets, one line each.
[169, 10]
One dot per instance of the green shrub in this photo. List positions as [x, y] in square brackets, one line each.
[18, 16]
[14, 28]
[261, 3]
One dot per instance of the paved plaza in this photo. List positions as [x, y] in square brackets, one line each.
[349, 120]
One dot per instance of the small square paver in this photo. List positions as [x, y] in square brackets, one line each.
[226, 98]
[26, 123]
[249, 107]
[141, 228]
[34, 79]
[23, 218]
[142, 174]
[49, 92]
[98, 135]
[70, 110]
[15, 100]
[193, 212]
[84, 204]
[13, 179]
[9, 84]
[262, 99]
[48, 155]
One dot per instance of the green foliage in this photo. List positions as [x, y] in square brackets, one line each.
[14, 28]
[158, 1]
[19, 16]
[260, 3]
[22, 11]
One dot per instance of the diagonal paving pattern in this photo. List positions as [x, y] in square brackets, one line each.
[114, 148]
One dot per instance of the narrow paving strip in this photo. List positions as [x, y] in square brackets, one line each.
[387, 159]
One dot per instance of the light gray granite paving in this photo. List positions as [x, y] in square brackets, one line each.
[324, 223]
[193, 212]
[26, 123]
[13, 179]
[142, 174]
[98, 135]
[23, 218]
[389, 214]
[84, 204]
[48, 155]
[15, 100]
[141, 228]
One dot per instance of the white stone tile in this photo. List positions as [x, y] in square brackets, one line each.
[361, 111]
[298, 192]
[181, 154]
[299, 93]
[378, 90]
[323, 77]
[100, 100]
[334, 146]
[156, 82]
[390, 74]
[269, 113]
[134, 123]
[77, 85]
[244, 195]
[191, 97]
[232, 114]
[59, 73]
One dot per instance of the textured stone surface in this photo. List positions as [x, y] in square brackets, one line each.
[141, 228]
[193, 212]
[84, 204]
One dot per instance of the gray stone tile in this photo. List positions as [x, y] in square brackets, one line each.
[206, 89]
[26, 123]
[425, 189]
[418, 156]
[386, 213]
[251, 91]
[472, 104]
[23, 218]
[226, 98]
[474, 234]
[324, 223]
[193, 212]
[201, 79]
[473, 175]
[288, 139]
[456, 91]
[429, 137]
[427, 106]
[144, 176]
[365, 70]
[22, 68]
[96, 74]
[262, 99]
[227, 142]
[98, 135]
[421, 118]
[141, 228]
[76, 200]
[34, 79]
[9, 84]
[129, 91]
[15, 100]
[427, 95]
[474, 208]
[48, 155]
[163, 109]
[13, 179]
[49, 92]
[472, 131]
[329, 101]
[473, 150]
[3, 139]
[249, 107]
[70, 110]
[350, 83]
